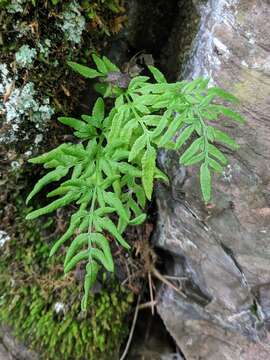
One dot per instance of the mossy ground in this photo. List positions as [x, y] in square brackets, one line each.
[32, 284]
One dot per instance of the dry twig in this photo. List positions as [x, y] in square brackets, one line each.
[132, 329]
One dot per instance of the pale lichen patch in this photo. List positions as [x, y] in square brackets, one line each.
[4, 237]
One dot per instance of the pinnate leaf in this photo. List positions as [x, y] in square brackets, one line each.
[74, 123]
[113, 173]
[54, 175]
[216, 91]
[191, 151]
[137, 147]
[100, 64]
[138, 220]
[214, 151]
[195, 159]
[148, 170]
[82, 255]
[184, 136]
[89, 280]
[67, 199]
[224, 138]
[215, 165]
[205, 180]
[109, 65]
[98, 110]
[107, 224]
[83, 70]
[112, 200]
[159, 77]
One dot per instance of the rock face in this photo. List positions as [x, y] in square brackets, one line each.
[224, 252]
[11, 348]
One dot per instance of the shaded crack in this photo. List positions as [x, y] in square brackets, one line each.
[196, 216]
[229, 252]
[258, 315]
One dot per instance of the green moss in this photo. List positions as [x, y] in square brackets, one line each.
[33, 290]
[96, 335]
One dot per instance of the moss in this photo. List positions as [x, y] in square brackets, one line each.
[30, 309]
[40, 303]
[32, 286]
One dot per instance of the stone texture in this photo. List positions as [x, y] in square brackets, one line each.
[224, 251]
[4, 355]
[11, 348]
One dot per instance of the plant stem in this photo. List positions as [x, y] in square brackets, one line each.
[137, 116]
[91, 222]
[204, 135]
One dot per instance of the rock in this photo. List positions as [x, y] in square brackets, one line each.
[12, 349]
[4, 355]
[224, 252]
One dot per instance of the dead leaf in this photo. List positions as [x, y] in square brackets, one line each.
[8, 91]
[66, 91]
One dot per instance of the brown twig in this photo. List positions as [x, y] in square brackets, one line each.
[151, 291]
[160, 277]
[131, 329]
[147, 305]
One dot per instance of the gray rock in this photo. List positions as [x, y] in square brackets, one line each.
[4, 355]
[224, 251]
[12, 349]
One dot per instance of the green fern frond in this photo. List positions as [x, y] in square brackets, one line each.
[112, 169]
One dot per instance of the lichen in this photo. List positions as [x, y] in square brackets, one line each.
[6, 80]
[25, 56]
[44, 47]
[16, 6]
[227, 174]
[73, 23]
[37, 40]
[15, 165]
[4, 237]
[20, 103]
[59, 307]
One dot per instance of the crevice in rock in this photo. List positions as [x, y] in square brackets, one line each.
[150, 24]
[152, 340]
[176, 266]
[164, 29]
[256, 308]
[229, 252]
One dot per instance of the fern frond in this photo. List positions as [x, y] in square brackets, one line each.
[54, 175]
[65, 200]
[148, 170]
[112, 169]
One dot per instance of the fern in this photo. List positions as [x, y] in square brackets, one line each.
[113, 167]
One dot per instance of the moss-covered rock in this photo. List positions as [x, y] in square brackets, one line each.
[42, 305]
[37, 38]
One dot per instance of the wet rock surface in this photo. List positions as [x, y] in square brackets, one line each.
[223, 251]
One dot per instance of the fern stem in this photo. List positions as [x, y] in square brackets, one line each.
[91, 221]
[204, 135]
[145, 130]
